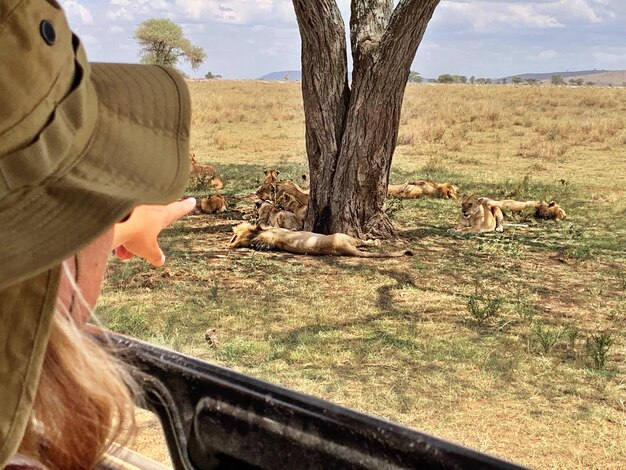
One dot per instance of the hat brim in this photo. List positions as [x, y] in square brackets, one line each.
[25, 316]
[138, 153]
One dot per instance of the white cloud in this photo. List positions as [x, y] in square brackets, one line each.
[490, 38]
[89, 39]
[490, 15]
[120, 14]
[546, 54]
[238, 11]
[74, 9]
[613, 56]
[129, 9]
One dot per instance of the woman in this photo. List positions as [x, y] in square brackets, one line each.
[88, 153]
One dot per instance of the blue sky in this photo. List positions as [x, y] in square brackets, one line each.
[484, 38]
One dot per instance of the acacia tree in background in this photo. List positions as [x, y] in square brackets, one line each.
[162, 42]
[415, 77]
[351, 130]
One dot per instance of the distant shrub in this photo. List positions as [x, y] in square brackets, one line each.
[598, 347]
[546, 336]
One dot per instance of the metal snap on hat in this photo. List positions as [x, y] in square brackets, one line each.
[80, 145]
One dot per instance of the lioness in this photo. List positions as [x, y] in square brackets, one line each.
[212, 204]
[270, 191]
[423, 188]
[478, 216]
[207, 172]
[269, 214]
[543, 210]
[247, 235]
[289, 187]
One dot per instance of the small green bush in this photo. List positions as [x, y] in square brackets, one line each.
[482, 307]
[598, 347]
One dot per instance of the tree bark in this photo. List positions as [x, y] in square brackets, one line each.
[351, 133]
[325, 94]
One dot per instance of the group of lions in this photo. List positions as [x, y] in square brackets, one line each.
[481, 214]
[478, 214]
[281, 205]
[280, 209]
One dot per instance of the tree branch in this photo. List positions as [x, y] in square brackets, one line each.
[404, 33]
[368, 22]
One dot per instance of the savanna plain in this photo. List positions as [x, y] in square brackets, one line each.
[511, 343]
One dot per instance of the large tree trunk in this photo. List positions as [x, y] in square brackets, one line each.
[351, 133]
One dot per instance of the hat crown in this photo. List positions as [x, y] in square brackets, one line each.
[35, 75]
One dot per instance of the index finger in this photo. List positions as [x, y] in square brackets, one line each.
[175, 210]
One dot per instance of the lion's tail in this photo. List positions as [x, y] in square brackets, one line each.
[392, 254]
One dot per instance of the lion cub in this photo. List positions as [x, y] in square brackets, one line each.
[477, 216]
[271, 176]
[212, 204]
[269, 214]
[289, 203]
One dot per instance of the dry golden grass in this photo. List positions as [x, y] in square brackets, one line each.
[397, 338]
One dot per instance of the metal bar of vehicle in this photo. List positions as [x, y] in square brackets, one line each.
[216, 418]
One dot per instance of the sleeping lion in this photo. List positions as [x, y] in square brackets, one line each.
[212, 204]
[248, 235]
[423, 188]
[543, 210]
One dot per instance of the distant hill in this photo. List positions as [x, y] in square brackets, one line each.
[294, 75]
[608, 77]
[598, 77]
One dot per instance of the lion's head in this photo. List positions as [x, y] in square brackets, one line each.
[266, 192]
[244, 234]
[271, 175]
[470, 205]
[550, 210]
[448, 190]
[284, 200]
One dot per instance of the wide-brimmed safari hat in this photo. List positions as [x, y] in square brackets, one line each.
[80, 145]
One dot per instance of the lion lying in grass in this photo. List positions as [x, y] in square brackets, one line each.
[423, 188]
[247, 235]
[542, 210]
[477, 216]
[550, 210]
[212, 204]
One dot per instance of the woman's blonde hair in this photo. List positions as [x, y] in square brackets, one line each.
[83, 402]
